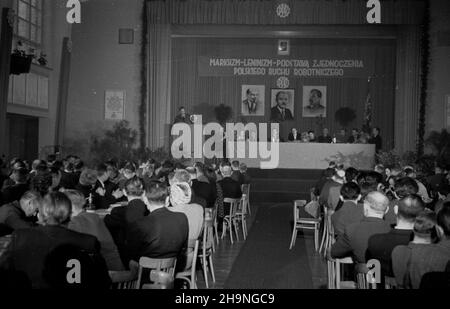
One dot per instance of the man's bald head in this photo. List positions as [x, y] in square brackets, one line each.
[377, 202]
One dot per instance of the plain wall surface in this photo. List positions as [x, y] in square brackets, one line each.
[100, 63]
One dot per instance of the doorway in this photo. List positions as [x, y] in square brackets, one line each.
[22, 136]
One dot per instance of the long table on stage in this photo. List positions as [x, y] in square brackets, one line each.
[318, 156]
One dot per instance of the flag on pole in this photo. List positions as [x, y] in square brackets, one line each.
[368, 110]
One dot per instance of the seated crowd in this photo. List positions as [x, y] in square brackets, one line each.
[399, 216]
[49, 209]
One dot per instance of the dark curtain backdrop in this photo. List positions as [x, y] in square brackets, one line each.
[200, 94]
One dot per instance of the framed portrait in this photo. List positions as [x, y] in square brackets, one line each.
[114, 104]
[252, 100]
[284, 47]
[314, 101]
[282, 105]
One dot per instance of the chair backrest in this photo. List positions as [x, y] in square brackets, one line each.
[207, 236]
[242, 206]
[233, 204]
[125, 279]
[160, 280]
[166, 265]
[297, 205]
[245, 188]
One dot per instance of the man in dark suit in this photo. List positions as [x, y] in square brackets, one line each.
[294, 136]
[236, 174]
[380, 246]
[121, 216]
[161, 234]
[246, 178]
[280, 112]
[14, 192]
[376, 139]
[203, 193]
[413, 262]
[183, 116]
[91, 224]
[106, 192]
[356, 236]
[21, 214]
[350, 212]
[325, 137]
[230, 187]
[30, 248]
[403, 187]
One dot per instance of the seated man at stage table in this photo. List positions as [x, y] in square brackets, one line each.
[325, 137]
[294, 135]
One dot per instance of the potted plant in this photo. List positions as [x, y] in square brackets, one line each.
[20, 60]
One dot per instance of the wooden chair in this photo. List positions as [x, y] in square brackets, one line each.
[390, 283]
[340, 284]
[125, 279]
[189, 275]
[362, 282]
[241, 214]
[230, 219]
[161, 272]
[245, 188]
[304, 223]
[328, 236]
[211, 215]
[205, 251]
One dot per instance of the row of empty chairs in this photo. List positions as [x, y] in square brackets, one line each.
[161, 272]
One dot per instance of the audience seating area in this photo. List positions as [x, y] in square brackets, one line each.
[163, 220]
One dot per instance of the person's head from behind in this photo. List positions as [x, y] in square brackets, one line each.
[30, 203]
[102, 172]
[134, 188]
[35, 164]
[77, 200]
[88, 177]
[19, 175]
[410, 172]
[376, 204]
[42, 183]
[199, 168]
[55, 209]
[350, 191]
[129, 170]
[282, 99]
[443, 222]
[366, 188]
[180, 194]
[243, 168]
[350, 174]
[156, 194]
[405, 186]
[226, 171]
[210, 173]
[408, 208]
[379, 168]
[235, 165]
[183, 176]
[329, 172]
[425, 227]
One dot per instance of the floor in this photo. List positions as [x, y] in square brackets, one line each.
[226, 254]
